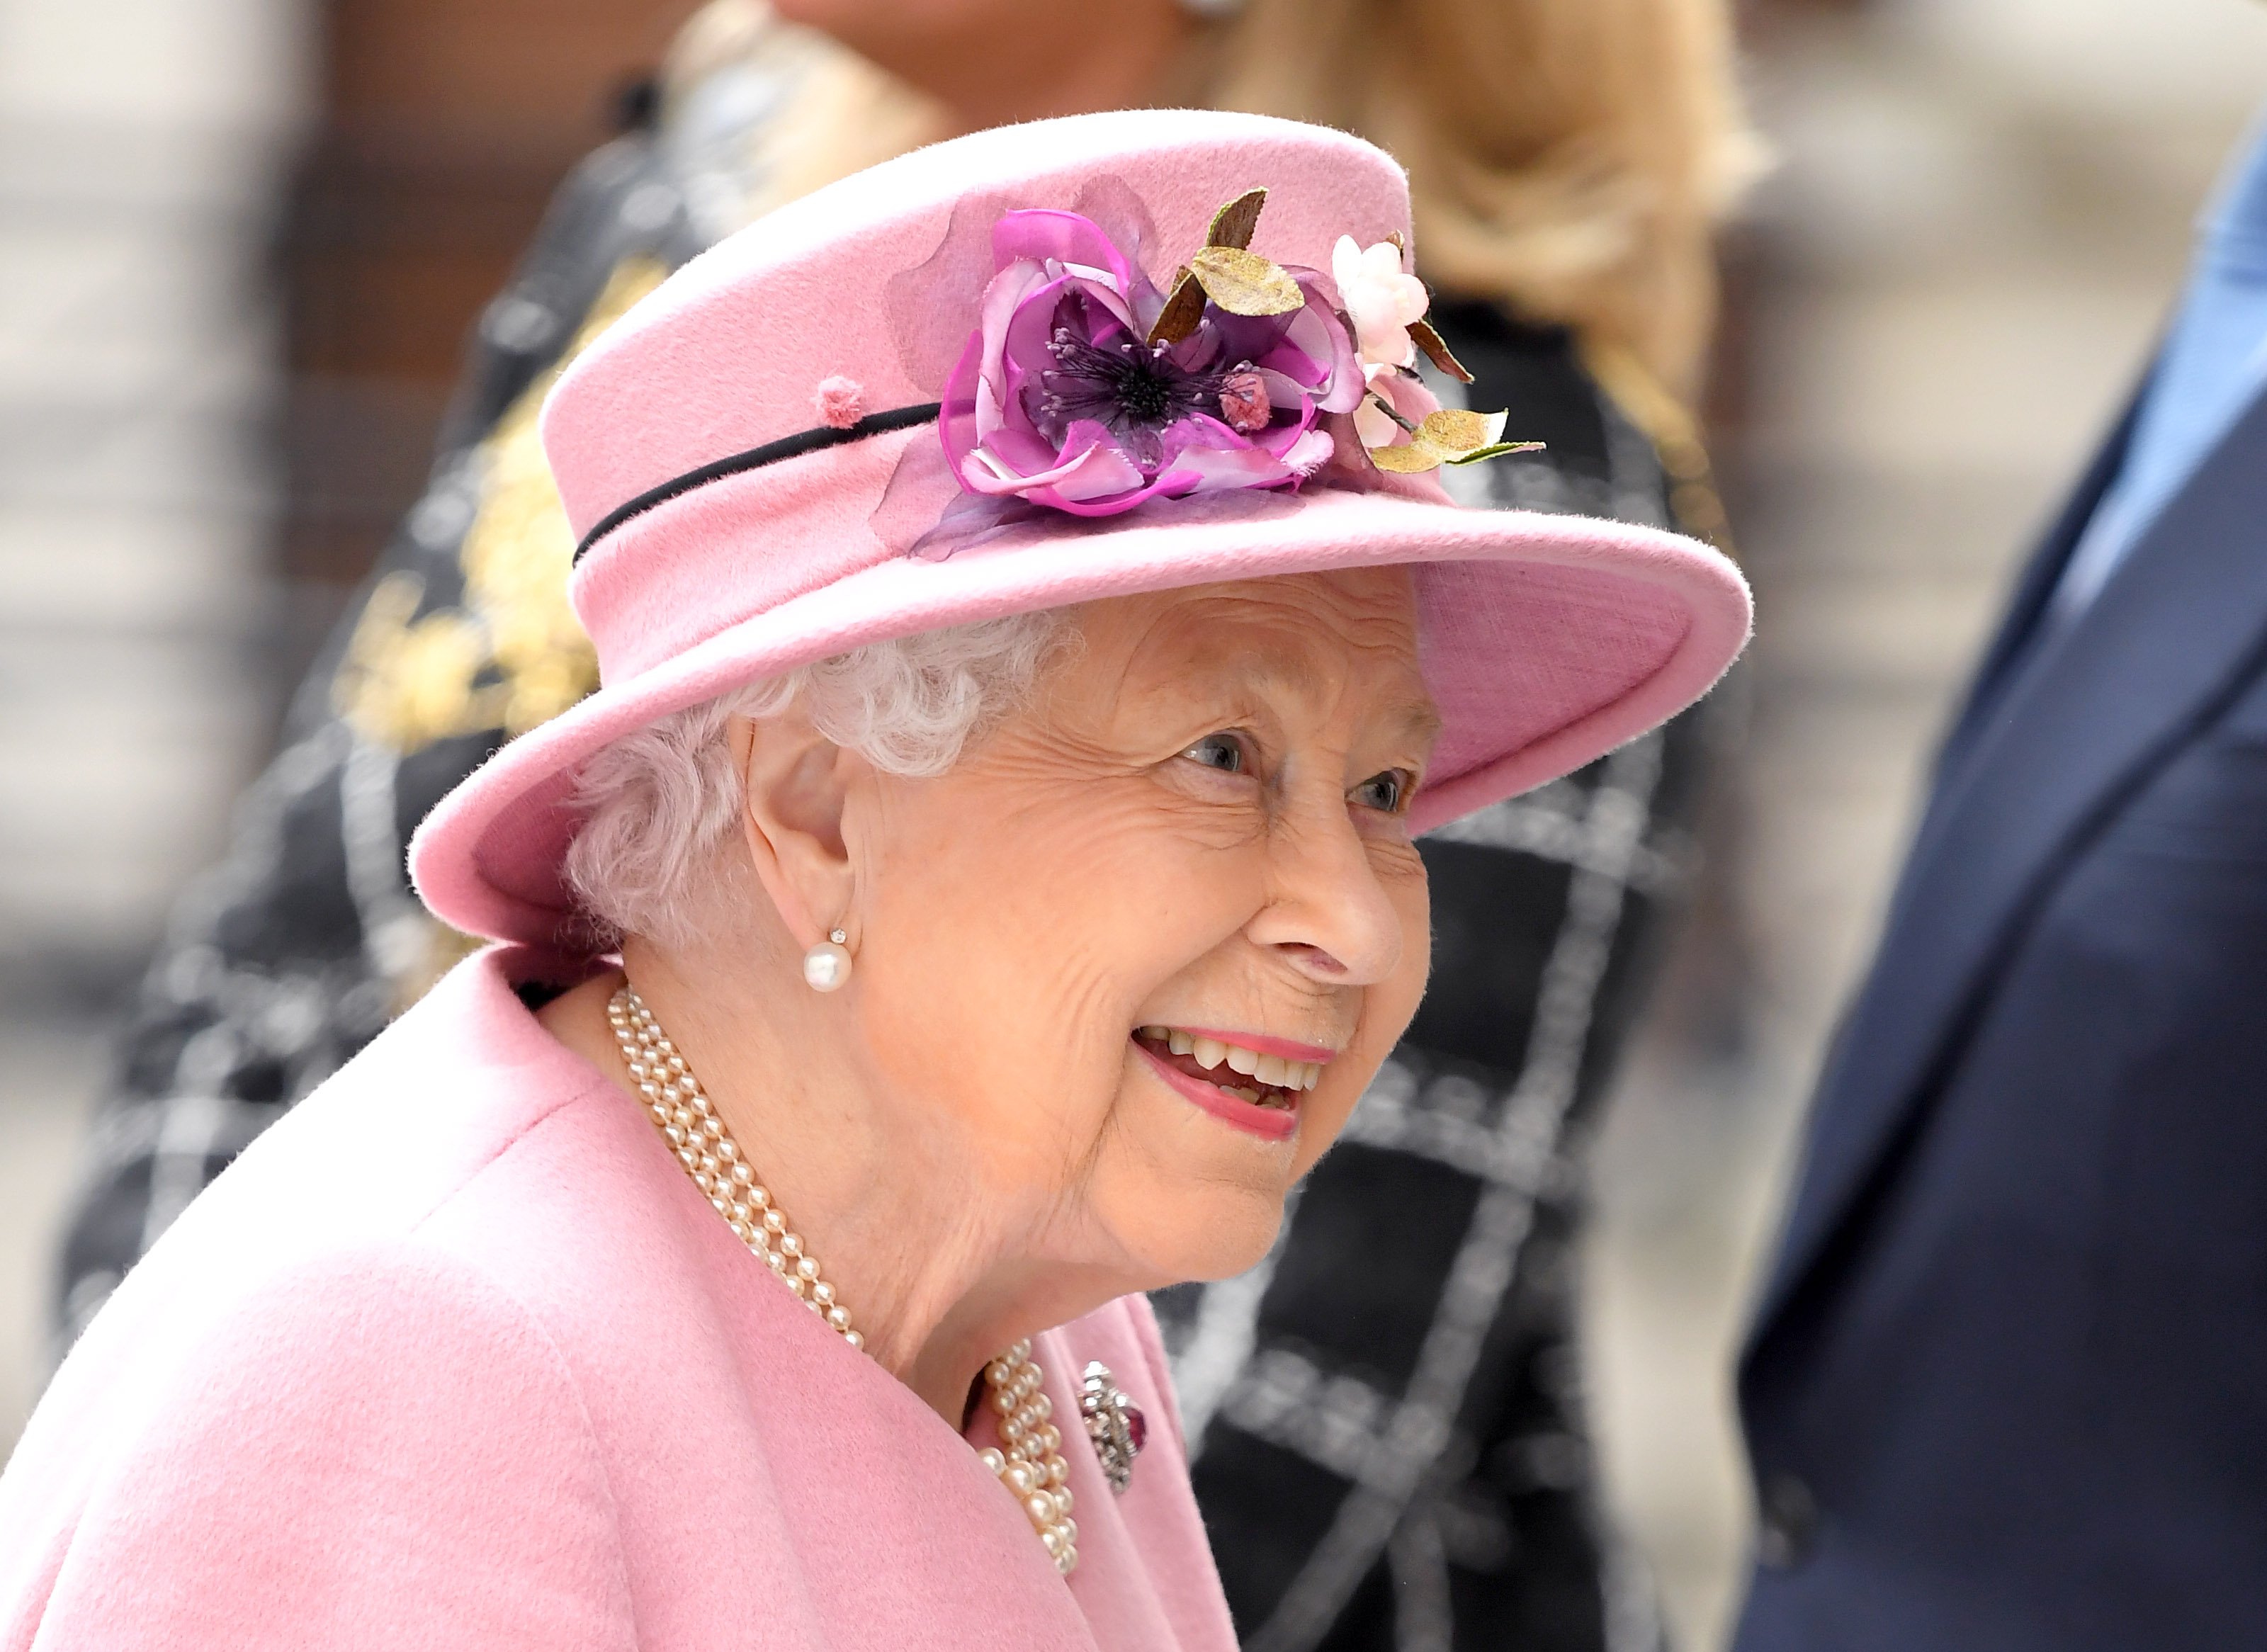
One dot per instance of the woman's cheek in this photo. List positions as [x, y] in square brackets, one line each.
[1325, 1124]
[1418, 933]
[1162, 881]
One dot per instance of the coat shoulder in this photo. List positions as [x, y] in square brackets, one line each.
[390, 1442]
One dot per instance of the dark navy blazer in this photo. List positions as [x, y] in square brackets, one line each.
[2006, 1388]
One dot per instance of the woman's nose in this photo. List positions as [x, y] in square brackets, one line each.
[1329, 914]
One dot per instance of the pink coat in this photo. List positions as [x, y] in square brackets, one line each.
[456, 1357]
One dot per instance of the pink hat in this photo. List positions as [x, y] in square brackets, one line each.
[973, 382]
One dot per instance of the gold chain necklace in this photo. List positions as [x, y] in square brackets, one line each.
[1029, 1462]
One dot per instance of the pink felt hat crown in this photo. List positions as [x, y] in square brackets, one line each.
[752, 457]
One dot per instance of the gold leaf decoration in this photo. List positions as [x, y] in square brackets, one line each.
[1437, 348]
[1234, 224]
[1411, 458]
[1236, 277]
[1494, 450]
[1460, 431]
[1452, 435]
[1182, 312]
[1244, 284]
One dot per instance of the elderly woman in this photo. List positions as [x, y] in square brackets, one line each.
[1030, 635]
[1565, 156]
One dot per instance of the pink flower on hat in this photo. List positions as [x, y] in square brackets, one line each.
[1062, 399]
[1382, 300]
[1404, 394]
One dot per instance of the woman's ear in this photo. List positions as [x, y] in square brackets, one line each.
[797, 783]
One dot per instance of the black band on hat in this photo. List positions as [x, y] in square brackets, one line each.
[756, 458]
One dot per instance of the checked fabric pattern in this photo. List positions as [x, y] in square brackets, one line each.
[1388, 1412]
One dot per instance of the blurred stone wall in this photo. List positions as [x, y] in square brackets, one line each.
[139, 147]
[245, 241]
[438, 130]
[1945, 291]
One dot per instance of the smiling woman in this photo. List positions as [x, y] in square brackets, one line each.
[983, 886]
[1196, 819]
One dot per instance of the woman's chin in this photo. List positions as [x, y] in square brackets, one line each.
[1190, 1195]
[1203, 1236]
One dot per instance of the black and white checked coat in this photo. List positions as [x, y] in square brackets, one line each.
[1386, 1414]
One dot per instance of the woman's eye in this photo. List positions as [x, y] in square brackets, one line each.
[1385, 792]
[1223, 751]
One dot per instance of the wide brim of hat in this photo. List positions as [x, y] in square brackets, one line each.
[1547, 641]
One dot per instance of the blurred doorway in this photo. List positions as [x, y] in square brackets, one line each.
[440, 129]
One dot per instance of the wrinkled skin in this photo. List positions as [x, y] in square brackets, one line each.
[1200, 820]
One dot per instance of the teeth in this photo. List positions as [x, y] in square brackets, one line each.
[1276, 1072]
[1241, 1094]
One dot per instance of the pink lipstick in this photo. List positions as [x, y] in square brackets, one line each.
[1271, 1123]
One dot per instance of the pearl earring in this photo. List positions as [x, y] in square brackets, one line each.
[827, 965]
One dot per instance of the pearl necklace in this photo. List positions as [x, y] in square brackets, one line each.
[1029, 1459]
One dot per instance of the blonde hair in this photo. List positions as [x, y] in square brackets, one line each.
[1568, 159]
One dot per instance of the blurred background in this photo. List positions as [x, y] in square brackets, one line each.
[241, 242]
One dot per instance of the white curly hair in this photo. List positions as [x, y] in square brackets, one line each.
[659, 803]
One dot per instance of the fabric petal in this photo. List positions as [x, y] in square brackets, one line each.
[1218, 469]
[1318, 331]
[1172, 485]
[1375, 429]
[1065, 236]
[957, 418]
[1098, 472]
[1310, 453]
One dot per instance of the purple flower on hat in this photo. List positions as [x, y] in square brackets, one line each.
[1073, 393]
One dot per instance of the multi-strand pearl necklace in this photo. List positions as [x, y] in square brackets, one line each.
[1029, 1458]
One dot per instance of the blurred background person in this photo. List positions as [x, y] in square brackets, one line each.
[1387, 1417]
[2003, 1389]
